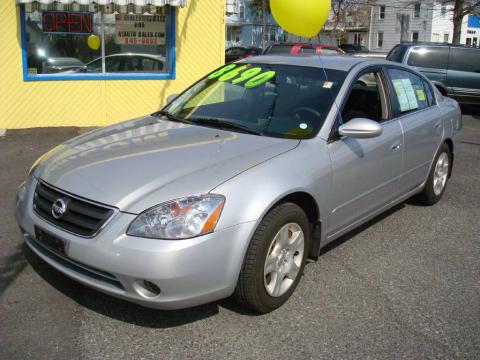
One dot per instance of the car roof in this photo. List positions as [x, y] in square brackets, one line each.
[343, 63]
[408, 44]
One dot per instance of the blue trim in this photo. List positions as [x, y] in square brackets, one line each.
[171, 75]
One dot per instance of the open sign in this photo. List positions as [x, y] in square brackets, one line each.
[67, 22]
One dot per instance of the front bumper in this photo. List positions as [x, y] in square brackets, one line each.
[187, 272]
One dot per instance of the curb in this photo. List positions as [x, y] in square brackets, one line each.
[2, 132]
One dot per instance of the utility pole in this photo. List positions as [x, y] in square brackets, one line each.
[263, 24]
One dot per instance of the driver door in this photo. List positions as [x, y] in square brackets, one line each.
[365, 172]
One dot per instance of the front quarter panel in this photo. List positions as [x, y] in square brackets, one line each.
[250, 195]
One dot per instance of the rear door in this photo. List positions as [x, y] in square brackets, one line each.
[421, 121]
[464, 74]
[431, 61]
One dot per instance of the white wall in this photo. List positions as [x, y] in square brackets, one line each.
[391, 25]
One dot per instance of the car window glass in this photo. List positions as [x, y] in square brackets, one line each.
[429, 57]
[280, 49]
[112, 64]
[464, 60]
[397, 53]
[280, 101]
[409, 91]
[94, 66]
[365, 99]
[149, 64]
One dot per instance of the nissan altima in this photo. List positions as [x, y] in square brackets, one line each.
[232, 186]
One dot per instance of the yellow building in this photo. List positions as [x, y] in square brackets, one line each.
[98, 62]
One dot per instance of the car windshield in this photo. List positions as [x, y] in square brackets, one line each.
[282, 101]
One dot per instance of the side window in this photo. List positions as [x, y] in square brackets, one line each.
[464, 60]
[410, 93]
[367, 99]
[113, 64]
[429, 57]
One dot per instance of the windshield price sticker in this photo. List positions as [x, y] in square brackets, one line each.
[251, 78]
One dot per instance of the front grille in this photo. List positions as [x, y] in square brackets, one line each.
[82, 217]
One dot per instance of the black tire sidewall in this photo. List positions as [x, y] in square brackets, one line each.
[288, 213]
[429, 193]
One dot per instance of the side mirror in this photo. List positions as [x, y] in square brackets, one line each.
[360, 128]
[171, 97]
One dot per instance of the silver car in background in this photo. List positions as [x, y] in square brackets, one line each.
[237, 181]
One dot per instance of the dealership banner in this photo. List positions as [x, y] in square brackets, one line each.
[131, 29]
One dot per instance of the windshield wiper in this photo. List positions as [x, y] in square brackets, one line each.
[224, 124]
[169, 116]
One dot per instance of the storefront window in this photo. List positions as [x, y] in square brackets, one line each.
[83, 44]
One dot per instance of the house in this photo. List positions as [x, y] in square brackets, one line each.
[395, 22]
[245, 26]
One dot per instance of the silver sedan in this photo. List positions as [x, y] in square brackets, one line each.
[234, 184]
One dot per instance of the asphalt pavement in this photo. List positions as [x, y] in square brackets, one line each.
[405, 285]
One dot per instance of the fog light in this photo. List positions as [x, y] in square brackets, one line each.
[151, 287]
[147, 288]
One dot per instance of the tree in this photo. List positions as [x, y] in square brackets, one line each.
[461, 9]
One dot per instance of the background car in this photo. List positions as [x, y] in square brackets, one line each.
[354, 49]
[60, 64]
[302, 48]
[124, 62]
[454, 69]
[237, 52]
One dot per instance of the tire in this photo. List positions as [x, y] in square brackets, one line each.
[255, 288]
[431, 194]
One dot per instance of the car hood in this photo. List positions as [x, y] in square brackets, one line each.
[143, 162]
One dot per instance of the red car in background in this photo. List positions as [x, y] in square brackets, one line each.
[302, 48]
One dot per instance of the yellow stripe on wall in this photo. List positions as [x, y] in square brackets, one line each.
[200, 40]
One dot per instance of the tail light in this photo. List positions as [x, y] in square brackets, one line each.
[248, 56]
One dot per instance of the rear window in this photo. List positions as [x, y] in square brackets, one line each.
[429, 57]
[280, 49]
[397, 53]
[464, 60]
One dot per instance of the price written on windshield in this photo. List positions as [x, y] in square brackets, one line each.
[243, 75]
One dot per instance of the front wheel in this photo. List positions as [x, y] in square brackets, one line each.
[275, 259]
[438, 177]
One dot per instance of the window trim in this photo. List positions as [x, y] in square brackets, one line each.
[378, 39]
[171, 75]
[417, 10]
[382, 70]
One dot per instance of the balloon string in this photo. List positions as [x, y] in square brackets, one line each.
[340, 118]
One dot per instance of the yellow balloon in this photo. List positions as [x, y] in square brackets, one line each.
[93, 42]
[301, 17]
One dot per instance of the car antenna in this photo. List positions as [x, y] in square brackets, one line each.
[326, 78]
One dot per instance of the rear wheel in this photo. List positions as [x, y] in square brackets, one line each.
[438, 177]
[275, 259]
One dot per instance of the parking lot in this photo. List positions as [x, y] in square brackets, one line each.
[405, 285]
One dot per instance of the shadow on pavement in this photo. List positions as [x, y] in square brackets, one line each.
[336, 243]
[11, 267]
[112, 307]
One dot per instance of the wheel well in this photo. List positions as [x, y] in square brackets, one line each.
[442, 90]
[306, 202]
[449, 142]
[309, 205]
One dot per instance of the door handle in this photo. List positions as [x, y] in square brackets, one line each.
[438, 125]
[396, 147]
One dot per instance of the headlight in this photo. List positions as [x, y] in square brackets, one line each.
[179, 219]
